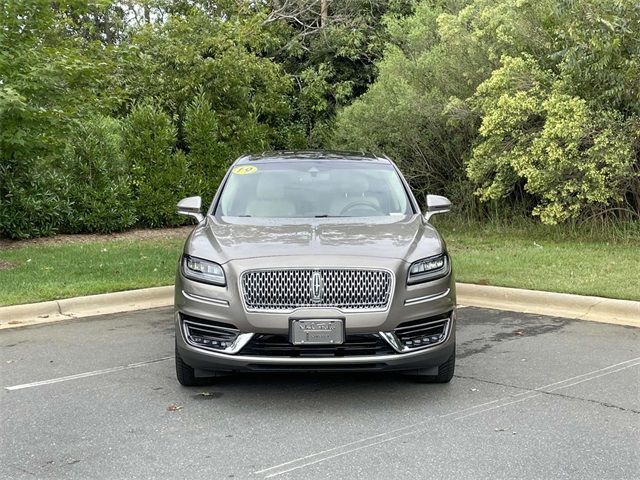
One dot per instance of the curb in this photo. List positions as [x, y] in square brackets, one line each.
[580, 307]
[91, 305]
[597, 309]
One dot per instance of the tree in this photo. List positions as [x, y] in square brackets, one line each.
[535, 101]
[48, 82]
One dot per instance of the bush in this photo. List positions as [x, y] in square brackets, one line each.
[569, 155]
[536, 102]
[31, 203]
[208, 155]
[402, 114]
[99, 193]
[158, 174]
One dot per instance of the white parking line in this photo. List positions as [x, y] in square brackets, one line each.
[87, 374]
[391, 435]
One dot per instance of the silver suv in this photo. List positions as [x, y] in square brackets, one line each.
[314, 261]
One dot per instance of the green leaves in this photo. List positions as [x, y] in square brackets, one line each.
[158, 173]
[98, 182]
[570, 156]
[536, 102]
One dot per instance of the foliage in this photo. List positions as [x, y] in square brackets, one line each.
[537, 102]
[158, 173]
[532, 105]
[219, 59]
[29, 201]
[569, 155]
[98, 178]
[208, 157]
[402, 113]
[332, 59]
[48, 81]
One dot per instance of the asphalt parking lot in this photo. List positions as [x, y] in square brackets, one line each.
[533, 397]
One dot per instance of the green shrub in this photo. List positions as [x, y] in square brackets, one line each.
[208, 155]
[95, 167]
[158, 174]
[535, 102]
[569, 155]
[31, 203]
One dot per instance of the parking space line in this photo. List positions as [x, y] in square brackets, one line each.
[540, 392]
[88, 374]
[380, 438]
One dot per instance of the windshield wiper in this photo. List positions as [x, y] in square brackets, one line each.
[330, 216]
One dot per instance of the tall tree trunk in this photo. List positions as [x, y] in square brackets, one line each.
[324, 11]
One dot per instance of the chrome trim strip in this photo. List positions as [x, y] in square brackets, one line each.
[422, 325]
[212, 327]
[353, 359]
[426, 298]
[392, 288]
[200, 298]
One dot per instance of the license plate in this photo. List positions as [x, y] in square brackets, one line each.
[317, 332]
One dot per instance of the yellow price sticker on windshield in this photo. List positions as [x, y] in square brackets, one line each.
[244, 170]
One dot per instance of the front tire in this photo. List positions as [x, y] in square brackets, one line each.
[186, 375]
[445, 372]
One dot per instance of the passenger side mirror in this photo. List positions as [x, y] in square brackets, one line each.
[436, 204]
[191, 206]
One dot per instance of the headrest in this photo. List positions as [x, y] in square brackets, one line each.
[350, 184]
[270, 186]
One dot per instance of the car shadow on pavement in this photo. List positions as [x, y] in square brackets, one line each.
[287, 391]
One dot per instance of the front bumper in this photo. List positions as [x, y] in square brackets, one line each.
[428, 358]
[412, 303]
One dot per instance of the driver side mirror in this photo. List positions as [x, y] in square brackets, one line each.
[191, 206]
[436, 204]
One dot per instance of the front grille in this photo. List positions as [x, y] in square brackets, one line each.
[279, 346]
[346, 289]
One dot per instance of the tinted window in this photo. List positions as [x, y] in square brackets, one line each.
[314, 189]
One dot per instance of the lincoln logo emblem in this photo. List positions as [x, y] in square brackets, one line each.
[316, 287]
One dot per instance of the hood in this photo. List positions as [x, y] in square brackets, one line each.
[222, 239]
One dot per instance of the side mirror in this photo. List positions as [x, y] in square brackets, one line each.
[191, 206]
[436, 204]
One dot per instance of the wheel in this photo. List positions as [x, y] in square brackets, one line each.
[186, 374]
[445, 372]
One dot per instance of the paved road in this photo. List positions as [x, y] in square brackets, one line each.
[533, 397]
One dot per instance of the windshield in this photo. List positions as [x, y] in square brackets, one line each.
[314, 189]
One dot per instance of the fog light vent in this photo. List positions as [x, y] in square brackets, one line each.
[208, 334]
[421, 334]
[418, 334]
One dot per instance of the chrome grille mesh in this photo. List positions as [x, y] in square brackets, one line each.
[347, 289]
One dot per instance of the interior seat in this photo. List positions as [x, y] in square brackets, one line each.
[352, 189]
[270, 198]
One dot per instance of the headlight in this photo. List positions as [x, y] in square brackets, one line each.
[202, 270]
[428, 269]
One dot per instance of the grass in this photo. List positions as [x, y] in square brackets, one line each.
[36, 273]
[584, 260]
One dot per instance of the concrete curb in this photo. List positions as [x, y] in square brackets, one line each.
[53, 311]
[581, 307]
[597, 309]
